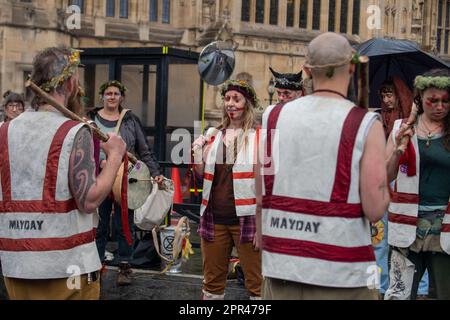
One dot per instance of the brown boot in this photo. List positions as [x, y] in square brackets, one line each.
[123, 279]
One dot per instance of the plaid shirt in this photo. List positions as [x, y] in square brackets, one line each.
[247, 224]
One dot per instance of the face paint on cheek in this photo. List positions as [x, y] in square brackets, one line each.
[430, 101]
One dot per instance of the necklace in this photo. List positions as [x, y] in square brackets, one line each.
[330, 91]
[430, 133]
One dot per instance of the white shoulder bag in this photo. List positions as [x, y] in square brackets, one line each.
[158, 204]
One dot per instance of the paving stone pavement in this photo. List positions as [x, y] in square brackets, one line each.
[150, 285]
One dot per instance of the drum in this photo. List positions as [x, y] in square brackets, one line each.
[139, 185]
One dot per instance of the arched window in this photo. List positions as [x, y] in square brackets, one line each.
[332, 15]
[303, 14]
[316, 14]
[123, 12]
[259, 18]
[356, 16]
[245, 10]
[344, 16]
[290, 13]
[273, 19]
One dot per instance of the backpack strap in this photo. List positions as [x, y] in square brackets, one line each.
[119, 122]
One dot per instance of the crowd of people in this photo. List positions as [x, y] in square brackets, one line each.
[301, 195]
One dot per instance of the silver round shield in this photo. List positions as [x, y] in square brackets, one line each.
[139, 185]
[216, 63]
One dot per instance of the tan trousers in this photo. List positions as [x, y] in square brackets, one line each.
[216, 256]
[51, 289]
[276, 289]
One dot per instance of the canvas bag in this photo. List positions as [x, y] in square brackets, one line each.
[401, 276]
[159, 202]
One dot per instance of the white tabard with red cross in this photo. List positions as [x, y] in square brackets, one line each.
[42, 233]
[404, 205]
[243, 172]
[314, 231]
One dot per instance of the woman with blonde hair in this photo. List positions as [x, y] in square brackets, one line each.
[226, 158]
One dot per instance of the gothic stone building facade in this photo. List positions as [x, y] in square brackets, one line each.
[264, 32]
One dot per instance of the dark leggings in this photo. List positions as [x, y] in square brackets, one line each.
[438, 265]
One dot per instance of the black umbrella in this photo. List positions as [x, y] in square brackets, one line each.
[399, 58]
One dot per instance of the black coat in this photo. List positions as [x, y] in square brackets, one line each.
[132, 133]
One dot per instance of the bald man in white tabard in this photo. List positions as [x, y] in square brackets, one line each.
[324, 181]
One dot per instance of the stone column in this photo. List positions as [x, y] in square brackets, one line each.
[337, 22]
[297, 14]
[282, 13]
[235, 7]
[324, 14]
[252, 11]
[310, 15]
[266, 11]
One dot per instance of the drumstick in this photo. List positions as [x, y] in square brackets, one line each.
[134, 180]
[363, 82]
[71, 115]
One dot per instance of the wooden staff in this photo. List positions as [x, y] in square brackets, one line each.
[363, 82]
[409, 123]
[71, 115]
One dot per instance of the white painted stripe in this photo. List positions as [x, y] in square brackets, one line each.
[243, 167]
[212, 154]
[207, 184]
[50, 264]
[244, 189]
[407, 209]
[242, 211]
[358, 149]
[53, 225]
[302, 159]
[317, 272]
[446, 219]
[401, 235]
[407, 184]
[445, 236]
[336, 231]
[27, 177]
[445, 242]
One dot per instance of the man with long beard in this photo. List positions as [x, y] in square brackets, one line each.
[47, 225]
